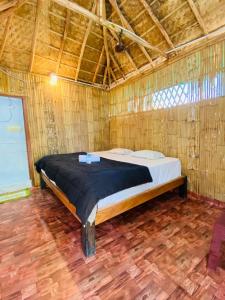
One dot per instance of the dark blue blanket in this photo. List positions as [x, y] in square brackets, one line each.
[85, 184]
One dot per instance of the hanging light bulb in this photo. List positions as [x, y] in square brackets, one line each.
[53, 79]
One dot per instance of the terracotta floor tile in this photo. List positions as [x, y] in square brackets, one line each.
[156, 251]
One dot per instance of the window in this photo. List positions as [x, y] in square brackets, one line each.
[189, 92]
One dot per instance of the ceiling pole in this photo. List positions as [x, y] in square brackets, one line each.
[36, 27]
[116, 64]
[157, 23]
[197, 16]
[110, 25]
[98, 64]
[103, 14]
[105, 74]
[120, 5]
[84, 42]
[67, 21]
[113, 74]
[5, 35]
[128, 26]
[100, 9]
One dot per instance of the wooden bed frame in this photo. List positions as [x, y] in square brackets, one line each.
[88, 229]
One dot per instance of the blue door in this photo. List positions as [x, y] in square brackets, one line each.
[14, 168]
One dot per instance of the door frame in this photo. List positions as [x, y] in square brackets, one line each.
[27, 134]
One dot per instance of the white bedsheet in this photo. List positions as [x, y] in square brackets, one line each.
[162, 170]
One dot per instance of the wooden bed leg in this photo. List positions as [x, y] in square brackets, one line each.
[88, 238]
[183, 189]
[42, 183]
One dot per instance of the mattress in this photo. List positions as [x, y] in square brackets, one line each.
[162, 171]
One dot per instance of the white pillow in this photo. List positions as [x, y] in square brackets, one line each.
[149, 154]
[121, 151]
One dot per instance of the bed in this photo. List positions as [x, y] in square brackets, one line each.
[165, 173]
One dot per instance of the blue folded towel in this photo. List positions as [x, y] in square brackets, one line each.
[89, 158]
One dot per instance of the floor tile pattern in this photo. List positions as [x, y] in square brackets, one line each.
[156, 251]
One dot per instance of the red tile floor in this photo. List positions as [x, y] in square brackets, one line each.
[157, 251]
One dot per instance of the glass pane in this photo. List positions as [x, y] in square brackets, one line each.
[14, 170]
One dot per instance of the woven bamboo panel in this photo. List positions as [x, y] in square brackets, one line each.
[185, 35]
[27, 11]
[20, 28]
[180, 111]
[165, 8]
[16, 60]
[131, 8]
[179, 20]
[67, 71]
[65, 118]
[94, 41]
[212, 12]
[143, 21]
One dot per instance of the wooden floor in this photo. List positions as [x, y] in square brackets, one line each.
[157, 251]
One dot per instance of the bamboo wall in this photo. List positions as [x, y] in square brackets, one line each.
[191, 127]
[62, 118]
[68, 117]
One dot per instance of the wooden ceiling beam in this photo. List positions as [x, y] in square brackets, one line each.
[120, 5]
[157, 23]
[36, 27]
[5, 35]
[98, 64]
[101, 3]
[128, 26]
[110, 25]
[117, 64]
[85, 41]
[113, 75]
[103, 15]
[113, 58]
[197, 16]
[105, 75]
[67, 22]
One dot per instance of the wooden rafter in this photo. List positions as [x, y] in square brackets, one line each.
[157, 23]
[36, 27]
[105, 76]
[103, 14]
[113, 74]
[197, 16]
[120, 5]
[100, 8]
[128, 26]
[84, 42]
[98, 64]
[105, 23]
[5, 35]
[67, 22]
[116, 64]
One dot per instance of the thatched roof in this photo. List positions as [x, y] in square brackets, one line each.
[43, 36]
